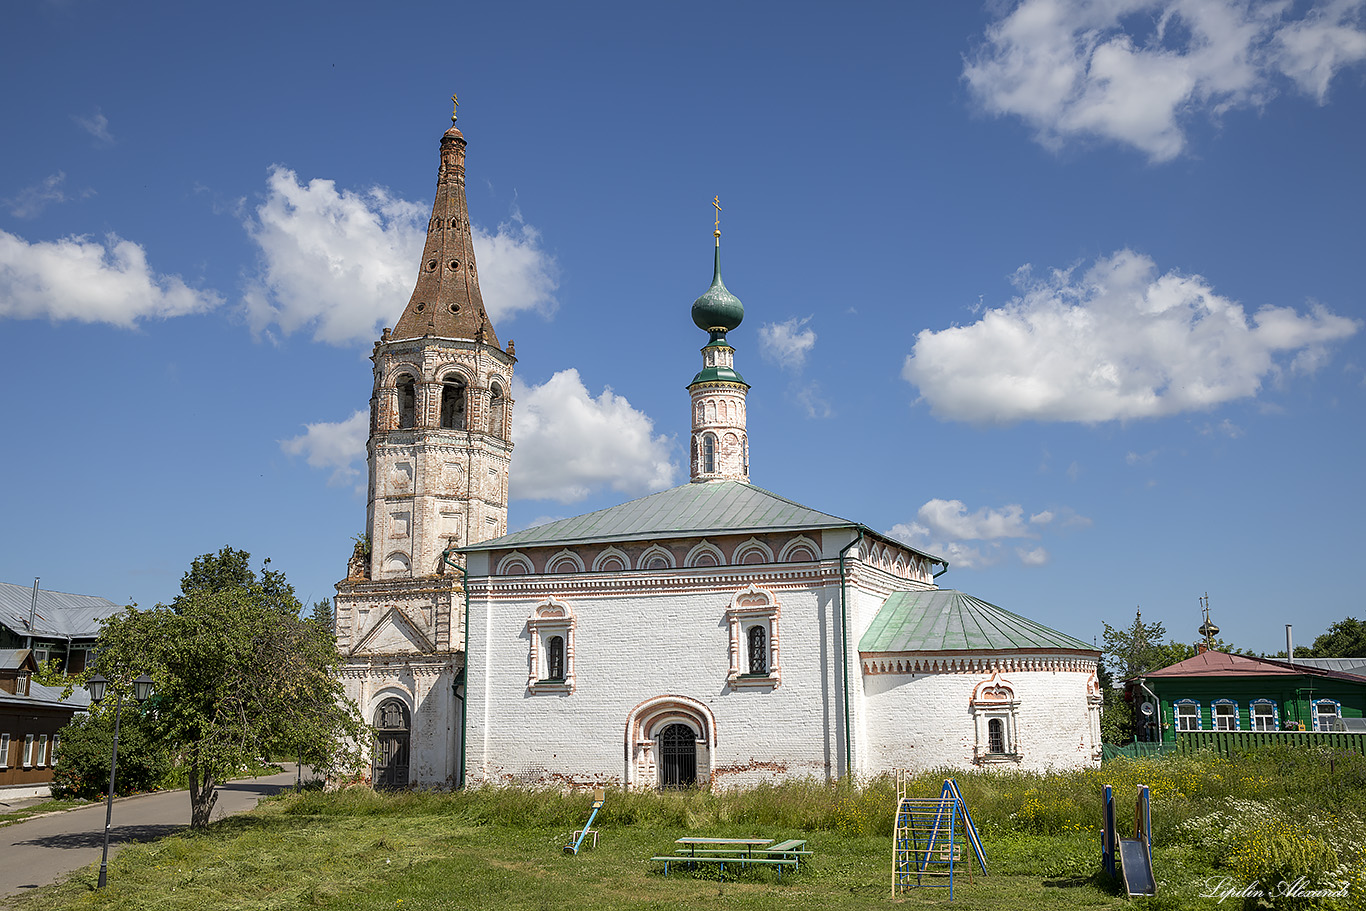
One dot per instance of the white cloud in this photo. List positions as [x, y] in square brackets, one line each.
[952, 519]
[96, 125]
[811, 397]
[80, 279]
[972, 540]
[1137, 458]
[1134, 71]
[338, 446]
[344, 262]
[570, 444]
[31, 201]
[1120, 342]
[787, 343]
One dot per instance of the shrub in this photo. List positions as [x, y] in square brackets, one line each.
[87, 743]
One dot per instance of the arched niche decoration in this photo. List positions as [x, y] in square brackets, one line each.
[645, 722]
[514, 564]
[565, 561]
[655, 557]
[800, 549]
[611, 559]
[753, 551]
[704, 553]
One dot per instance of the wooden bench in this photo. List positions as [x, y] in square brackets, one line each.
[792, 849]
[731, 857]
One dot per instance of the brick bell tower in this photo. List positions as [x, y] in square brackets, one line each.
[720, 443]
[438, 455]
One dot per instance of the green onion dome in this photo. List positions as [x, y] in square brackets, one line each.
[718, 309]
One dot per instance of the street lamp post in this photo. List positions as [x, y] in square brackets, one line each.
[142, 688]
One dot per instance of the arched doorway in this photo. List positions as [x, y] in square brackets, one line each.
[677, 756]
[391, 747]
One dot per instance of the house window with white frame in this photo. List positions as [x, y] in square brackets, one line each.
[551, 664]
[754, 645]
[56, 742]
[42, 751]
[4, 751]
[1265, 716]
[1188, 715]
[1326, 714]
[28, 751]
[1224, 713]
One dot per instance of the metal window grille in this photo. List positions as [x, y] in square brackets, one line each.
[555, 658]
[996, 736]
[677, 756]
[758, 650]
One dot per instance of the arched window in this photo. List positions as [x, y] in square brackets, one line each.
[407, 402]
[996, 736]
[554, 665]
[758, 649]
[453, 403]
[708, 454]
[390, 768]
[496, 407]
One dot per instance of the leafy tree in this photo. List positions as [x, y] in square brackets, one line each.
[238, 673]
[88, 742]
[1344, 639]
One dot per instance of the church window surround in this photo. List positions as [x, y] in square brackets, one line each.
[708, 454]
[397, 563]
[995, 714]
[1265, 715]
[407, 401]
[752, 620]
[611, 560]
[514, 564]
[655, 557]
[705, 554]
[1224, 714]
[1188, 715]
[551, 659]
[453, 401]
[1326, 712]
[497, 407]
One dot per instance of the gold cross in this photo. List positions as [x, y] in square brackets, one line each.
[716, 201]
[455, 109]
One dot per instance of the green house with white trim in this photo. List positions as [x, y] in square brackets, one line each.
[1221, 692]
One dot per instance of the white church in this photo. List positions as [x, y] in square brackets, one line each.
[714, 634]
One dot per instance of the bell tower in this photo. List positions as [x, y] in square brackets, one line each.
[720, 443]
[438, 455]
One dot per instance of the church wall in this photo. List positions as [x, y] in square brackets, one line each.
[426, 686]
[638, 637]
[927, 720]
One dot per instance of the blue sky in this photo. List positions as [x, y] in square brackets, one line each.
[1069, 292]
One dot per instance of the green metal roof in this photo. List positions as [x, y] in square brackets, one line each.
[948, 620]
[702, 508]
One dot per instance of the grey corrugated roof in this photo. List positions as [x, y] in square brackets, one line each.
[713, 507]
[13, 657]
[59, 614]
[948, 620]
[49, 696]
[1342, 665]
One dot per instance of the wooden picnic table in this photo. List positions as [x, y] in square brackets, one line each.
[692, 842]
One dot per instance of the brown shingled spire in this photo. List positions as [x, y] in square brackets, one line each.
[446, 300]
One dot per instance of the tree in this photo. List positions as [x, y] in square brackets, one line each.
[88, 743]
[238, 673]
[1344, 639]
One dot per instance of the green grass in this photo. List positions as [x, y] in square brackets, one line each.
[502, 848]
[45, 806]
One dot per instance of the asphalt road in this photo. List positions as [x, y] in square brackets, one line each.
[42, 850]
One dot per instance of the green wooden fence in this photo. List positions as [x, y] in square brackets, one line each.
[1230, 742]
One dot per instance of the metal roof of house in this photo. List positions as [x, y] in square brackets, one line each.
[49, 696]
[14, 657]
[713, 507]
[1213, 663]
[1355, 666]
[59, 614]
[948, 620]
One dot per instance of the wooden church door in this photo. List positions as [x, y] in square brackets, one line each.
[677, 757]
[391, 748]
